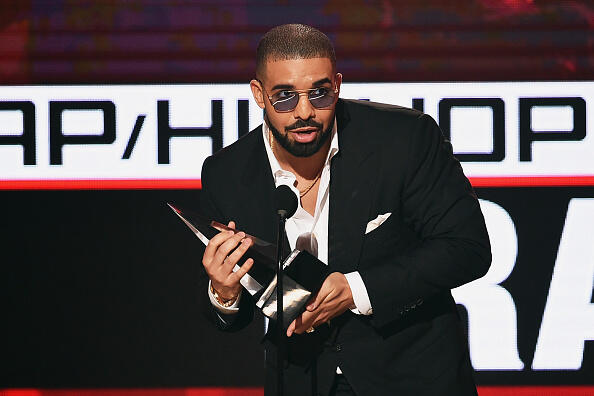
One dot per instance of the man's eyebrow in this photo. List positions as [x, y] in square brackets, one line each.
[283, 86]
[323, 81]
[318, 83]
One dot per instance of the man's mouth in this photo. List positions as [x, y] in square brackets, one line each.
[304, 135]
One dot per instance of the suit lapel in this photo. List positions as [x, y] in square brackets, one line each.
[256, 193]
[353, 172]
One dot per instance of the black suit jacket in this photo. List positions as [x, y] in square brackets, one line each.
[390, 159]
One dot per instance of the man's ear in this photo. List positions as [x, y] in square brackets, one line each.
[257, 92]
[338, 81]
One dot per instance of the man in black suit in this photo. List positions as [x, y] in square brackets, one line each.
[382, 201]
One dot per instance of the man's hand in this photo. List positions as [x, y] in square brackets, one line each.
[219, 259]
[333, 299]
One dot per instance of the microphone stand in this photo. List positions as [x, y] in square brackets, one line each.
[280, 349]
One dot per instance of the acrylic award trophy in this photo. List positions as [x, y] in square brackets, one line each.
[303, 273]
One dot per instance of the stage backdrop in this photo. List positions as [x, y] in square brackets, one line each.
[100, 276]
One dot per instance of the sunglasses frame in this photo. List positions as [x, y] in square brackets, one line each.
[299, 93]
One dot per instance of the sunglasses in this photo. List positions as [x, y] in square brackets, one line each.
[286, 100]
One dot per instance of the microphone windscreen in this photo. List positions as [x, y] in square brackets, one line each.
[286, 201]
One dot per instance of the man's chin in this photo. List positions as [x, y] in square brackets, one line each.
[302, 149]
[311, 144]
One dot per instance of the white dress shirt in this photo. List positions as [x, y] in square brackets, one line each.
[307, 232]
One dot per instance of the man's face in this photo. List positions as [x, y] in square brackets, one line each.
[303, 130]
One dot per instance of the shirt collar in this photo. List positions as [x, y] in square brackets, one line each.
[275, 166]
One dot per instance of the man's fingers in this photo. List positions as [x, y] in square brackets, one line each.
[291, 328]
[218, 240]
[214, 244]
[249, 263]
[238, 253]
[226, 247]
[304, 321]
[311, 303]
[295, 326]
[318, 299]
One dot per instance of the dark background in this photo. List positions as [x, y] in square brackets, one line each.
[110, 41]
[101, 291]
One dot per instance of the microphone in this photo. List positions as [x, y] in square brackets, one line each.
[286, 206]
[286, 201]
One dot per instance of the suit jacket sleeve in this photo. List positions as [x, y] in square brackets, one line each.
[438, 204]
[210, 179]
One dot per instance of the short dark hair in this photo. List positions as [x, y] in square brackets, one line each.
[293, 41]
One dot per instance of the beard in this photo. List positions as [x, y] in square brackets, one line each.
[301, 149]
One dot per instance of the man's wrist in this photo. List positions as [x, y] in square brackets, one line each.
[224, 302]
[359, 292]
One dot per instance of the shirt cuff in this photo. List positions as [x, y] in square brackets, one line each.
[359, 292]
[230, 310]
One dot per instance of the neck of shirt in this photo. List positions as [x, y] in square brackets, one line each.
[304, 231]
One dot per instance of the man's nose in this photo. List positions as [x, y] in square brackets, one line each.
[304, 110]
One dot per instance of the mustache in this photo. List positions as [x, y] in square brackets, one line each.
[303, 124]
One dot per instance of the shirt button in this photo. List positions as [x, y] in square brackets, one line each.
[338, 347]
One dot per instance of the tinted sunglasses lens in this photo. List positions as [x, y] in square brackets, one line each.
[322, 101]
[286, 104]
